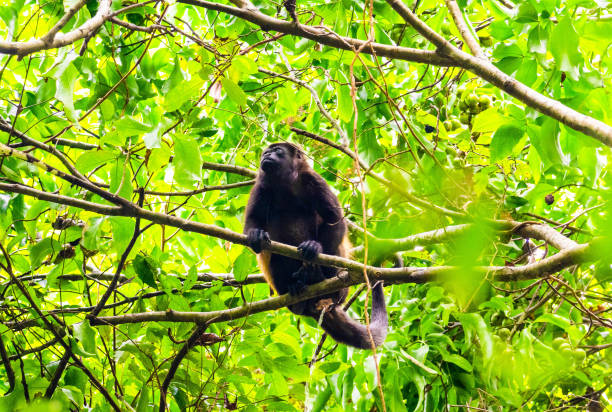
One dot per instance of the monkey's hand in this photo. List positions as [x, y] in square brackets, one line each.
[310, 249]
[257, 239]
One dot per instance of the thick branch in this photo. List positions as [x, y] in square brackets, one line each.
[324, 35]
[54, 40]
[61, 199]
[526, 230]
[530, 230]
[550, 107]
[553, 264]
[62, 22]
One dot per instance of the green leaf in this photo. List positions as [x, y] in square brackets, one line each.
[513, 202]
[488, 121]
[545, 139]
[143, 402]
[107, 109]
[32, 215]
[123, 230]
[76, 377]
[556, 320]
[234, 91]
[501, 30]
[91, 233]
[90, 160]
[509, 65]
[243, 265]
[330, 367]
[564, 46]
[537, 40]
[192, 278]
[86, 336]
[345, 102]
[181, 93]
[526, 13]
[65, 75]
[242, 67]
[187, 161]
[504, 140]
[289, 367]
[527, 73]
[473, 324]
[145, 268]
[321, 399]
[121, 178]
[128, 126]
[457, 360]
[42, 249]
[507, 50]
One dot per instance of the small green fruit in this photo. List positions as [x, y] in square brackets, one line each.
[579, 355]
[484, 102]
[557, 342]
[486, 41]
[504, 333]
[472, 101]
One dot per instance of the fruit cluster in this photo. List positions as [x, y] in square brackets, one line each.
[470, 104]
[562, 346]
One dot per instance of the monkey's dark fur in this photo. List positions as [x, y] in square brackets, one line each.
[290, 203]
[290, 7]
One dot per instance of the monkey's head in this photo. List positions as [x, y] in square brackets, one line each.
[281, 161]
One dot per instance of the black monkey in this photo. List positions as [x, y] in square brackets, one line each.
[290, 203]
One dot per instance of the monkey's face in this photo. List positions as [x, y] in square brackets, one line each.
[278, 160]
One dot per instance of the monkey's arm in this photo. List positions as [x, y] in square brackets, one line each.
[255, 229]
[255, 219]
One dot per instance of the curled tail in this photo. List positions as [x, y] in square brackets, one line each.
[340, 326]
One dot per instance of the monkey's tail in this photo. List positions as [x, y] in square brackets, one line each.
[340, 326]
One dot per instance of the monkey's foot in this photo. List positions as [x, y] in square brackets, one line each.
[310, 249]
[298, 282]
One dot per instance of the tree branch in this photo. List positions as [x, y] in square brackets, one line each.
[464, 30]
[564, 259]
[193, 339]
[53, 39]
[528, 230]
[238, 170]
[484, 69]
[324, 35]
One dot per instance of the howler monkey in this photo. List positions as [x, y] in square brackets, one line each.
[290, 203]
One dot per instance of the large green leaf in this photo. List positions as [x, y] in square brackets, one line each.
[504, 140]
[187, 161]
[564, 46]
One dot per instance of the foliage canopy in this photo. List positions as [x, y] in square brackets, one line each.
[471, 139]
